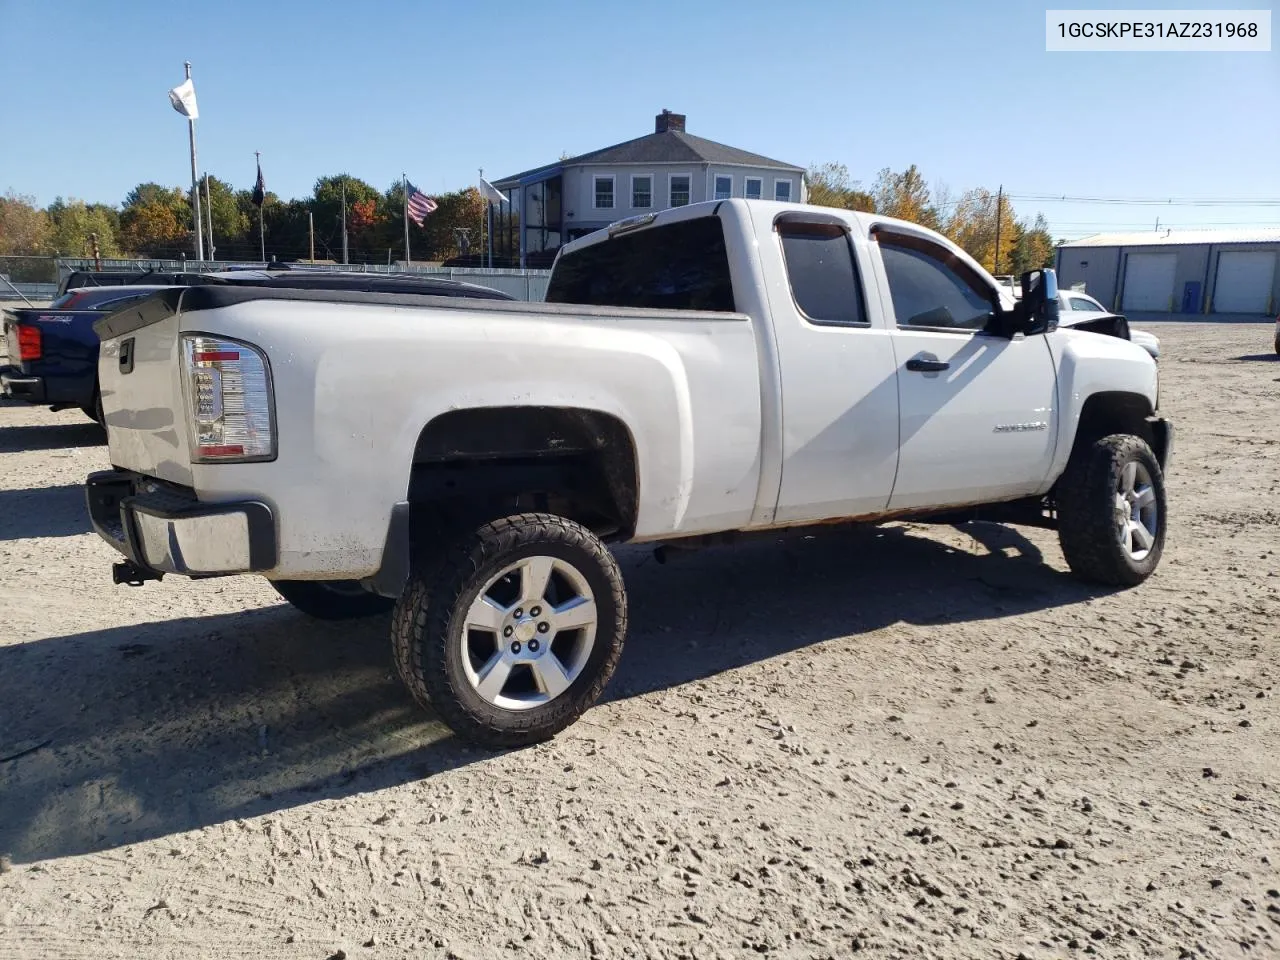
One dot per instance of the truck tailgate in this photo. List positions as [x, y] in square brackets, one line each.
[140, 378]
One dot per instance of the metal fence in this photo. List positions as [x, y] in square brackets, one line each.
[522, 284]
[36, 292]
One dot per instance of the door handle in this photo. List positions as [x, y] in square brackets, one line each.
[927, 364]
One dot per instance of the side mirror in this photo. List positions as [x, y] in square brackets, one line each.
[1039, 301]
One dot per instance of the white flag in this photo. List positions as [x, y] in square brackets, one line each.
[491, 193]
[183, 98]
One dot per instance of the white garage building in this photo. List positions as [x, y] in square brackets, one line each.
[1178, 271]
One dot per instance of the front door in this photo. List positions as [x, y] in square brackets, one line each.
[977, 412]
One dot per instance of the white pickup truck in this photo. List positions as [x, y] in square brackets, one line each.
[695, 375]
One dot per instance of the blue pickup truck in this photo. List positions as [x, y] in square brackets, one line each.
[53, 351]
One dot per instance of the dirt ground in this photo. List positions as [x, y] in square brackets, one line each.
[904, 741]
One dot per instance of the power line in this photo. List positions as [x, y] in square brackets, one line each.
[1152, 201]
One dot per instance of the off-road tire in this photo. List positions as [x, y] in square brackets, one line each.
[429, 617]
[1087, 528]
[332, 599]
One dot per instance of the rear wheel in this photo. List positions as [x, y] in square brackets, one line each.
[94, 410]
[332, 599]
[524, 628]
[1111, 511]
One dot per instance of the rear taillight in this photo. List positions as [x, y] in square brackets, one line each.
[30, 346]
[229, 402]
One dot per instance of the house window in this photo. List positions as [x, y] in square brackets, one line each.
[753, 188]
[724, 188]
[782, 190]
[680, 189]
[604, 193]
[641, 192]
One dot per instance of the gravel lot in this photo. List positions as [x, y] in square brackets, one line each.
[906, 741]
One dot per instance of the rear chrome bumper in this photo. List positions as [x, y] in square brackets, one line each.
[14, 384]
[165, 529]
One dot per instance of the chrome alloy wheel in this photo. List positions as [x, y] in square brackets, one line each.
[529, 632]
[1137, 514]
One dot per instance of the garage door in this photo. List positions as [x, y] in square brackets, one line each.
[1148, 281]
[1244, 281]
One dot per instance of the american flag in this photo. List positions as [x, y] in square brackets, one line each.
[419, 205]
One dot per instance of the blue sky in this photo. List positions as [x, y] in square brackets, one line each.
[966, 92]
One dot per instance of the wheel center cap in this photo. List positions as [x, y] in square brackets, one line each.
[526, 630]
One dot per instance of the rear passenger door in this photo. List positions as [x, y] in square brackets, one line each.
[839, 384]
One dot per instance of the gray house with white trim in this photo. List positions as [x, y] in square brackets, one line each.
[667, 168]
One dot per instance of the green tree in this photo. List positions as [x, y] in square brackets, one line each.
[464, 208]
[830, 186]
[73, 222]
[24, 227]
[287, 230]
[231, 225]
[972, 224]
[904, 195]
[326, 206]
[155, 221]
[1032, 247]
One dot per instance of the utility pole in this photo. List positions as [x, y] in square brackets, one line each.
[195, 182]
[344, 220]
[995, 260]
[1157, 224]
[97, 256]
[311, 232]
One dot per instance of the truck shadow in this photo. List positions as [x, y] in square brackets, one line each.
[1263, 357]
[81, 433]
[43, 512]
[136, 732]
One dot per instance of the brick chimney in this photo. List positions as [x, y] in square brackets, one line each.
[667, 120]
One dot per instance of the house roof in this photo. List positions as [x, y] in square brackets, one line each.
[1178, 238]
[670, 146]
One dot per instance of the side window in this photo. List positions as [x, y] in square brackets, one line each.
[724, 187]
[930, 287]
[604, 193]
[823, 276]
[752, 188]
[679, 184]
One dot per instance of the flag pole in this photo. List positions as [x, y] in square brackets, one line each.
[344, 219]
[195, 184]
[404, 180]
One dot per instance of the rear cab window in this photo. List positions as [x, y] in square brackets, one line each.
[822, 272]
[674, 266]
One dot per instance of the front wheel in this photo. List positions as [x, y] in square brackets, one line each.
[332, 599]
[1111, 511]
[524, 628]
